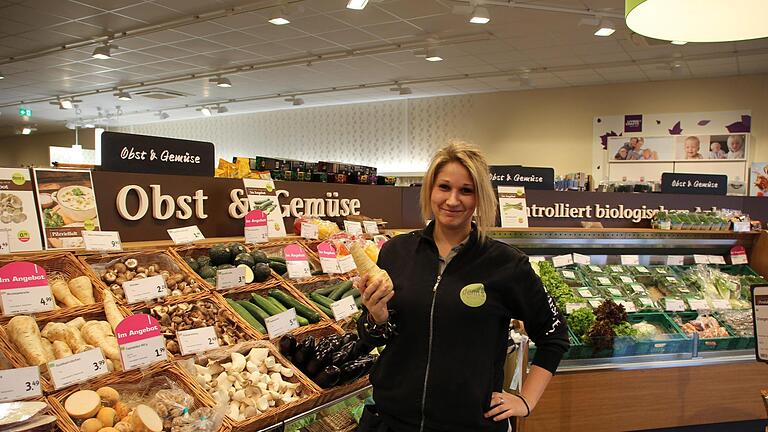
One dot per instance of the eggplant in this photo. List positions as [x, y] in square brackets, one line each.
[349, 337]
[361, 349]
[368, 362]
[304, 352]
[329, 377]
[323, 344]
[344, 354]
[350, 371]
[288, 346]
[321, 359]
[336, 342]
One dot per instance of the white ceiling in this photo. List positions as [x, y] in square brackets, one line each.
[552, 45]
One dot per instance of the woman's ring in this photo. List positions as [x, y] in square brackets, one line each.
[501, 400]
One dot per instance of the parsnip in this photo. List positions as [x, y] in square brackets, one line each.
[111, 311]
[365, 265]
[95, 333]
[82, 288]
[23, 332]
[48, 347]
[56, 331]
[60, 290]
[61, 349]
[76, 323]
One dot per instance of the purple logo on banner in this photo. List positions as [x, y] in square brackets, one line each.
[633, 123]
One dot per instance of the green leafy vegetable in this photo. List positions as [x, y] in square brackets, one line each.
[580, 321]
[555, 285]
[624, 329]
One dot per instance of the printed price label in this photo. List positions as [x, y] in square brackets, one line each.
[197, 340]
[107, 241]
[603, 281]
[645, 301]
[344, 308]
[671, 279]
[673, 305]
[309, 231]
[569, 274]
[721, 304]
[256, 230]
[282, 323]
[626, 279]
[628, 306]
[5, 244]
[77, 368]
[139, 290]
[186, 235]
[371, 227]
[700, 259]
[534, 259]
[582, 259]
[347, 264]
[328, 260]
[140, 341]
[570, 307]
[614, 292]
[353, 228]
[296, 261]
[675, 260]
[230, 278]
[739, 259]
[741, 226]
[24, 289]
[19, 384]
[595, 269]
[716, 259]
[638, 288]
[595, 303]
[642, 269]
[698, 304]
[661, 271]
[617, 269]
[584, 292]
[630, 259]
[562, 260]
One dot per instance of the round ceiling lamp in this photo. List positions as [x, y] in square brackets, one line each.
[698, 20]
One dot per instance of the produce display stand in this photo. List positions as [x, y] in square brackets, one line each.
[678, 389]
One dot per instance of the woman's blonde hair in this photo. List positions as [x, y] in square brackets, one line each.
[469, 157]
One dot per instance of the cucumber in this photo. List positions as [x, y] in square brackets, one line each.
[325, 301]
[276, 303]
[278, 267]
[289, 301]
[317, 272]
[277, 259]
[323, 308]
[353, 292]
[265, 304]
[254, 310]
[326, 290]
[342, 288]
[246, 316]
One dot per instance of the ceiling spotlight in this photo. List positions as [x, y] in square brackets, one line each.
[221, 109]
[607, 28]
[163, 115]
[402, 91]
[123, 95]
[26, 130]
[221, 82]
[65, 104]
[103, 52]
[357, 4]
[432, 55]
[280, 17]
[678, 42]
[2, 76]
[480, 16]
[205, 111]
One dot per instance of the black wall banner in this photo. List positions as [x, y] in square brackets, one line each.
[528, 177]
[694, 184]
[156, 155]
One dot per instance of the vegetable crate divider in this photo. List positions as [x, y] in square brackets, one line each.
[708, 344]
[248, 333]
[675, 343]
[96, 264]
[17, 359]
[63, 263]
[741, 342]
[336, 392]
[279, 413]
[196, 250]
[288, 289]
[134, 377]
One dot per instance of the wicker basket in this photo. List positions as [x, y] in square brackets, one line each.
[61, 263]
[277, 414]
[197, 250]
[96, 264]
[145, 380]
[307, 286]
[91, 312]
[285, 287]
[248, 333]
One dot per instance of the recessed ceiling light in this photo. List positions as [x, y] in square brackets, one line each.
[432, 55]
[357, 4]
[678, 42]
[2, 76]
[205, 111]
[280, 18]
[480, 16]
[221, 82]
[606, 28]
[26, 130]
[65, 104]
[103, 52]
[123, 95]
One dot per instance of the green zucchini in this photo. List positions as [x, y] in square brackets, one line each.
[266, 305]
[325, 301]
[278, 267]
[246, 316]
[359, 302]
[326, 290]
[276, 303]
[353, 292]
[323, 308]
[301, 308]
[342, 288]
[254, 310]
[277, 259]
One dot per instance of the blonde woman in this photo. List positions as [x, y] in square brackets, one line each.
[444, 312]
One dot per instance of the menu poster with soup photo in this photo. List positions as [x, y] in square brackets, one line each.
[17, 210]
[67, 206]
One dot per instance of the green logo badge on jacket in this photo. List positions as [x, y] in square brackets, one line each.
[473, 295]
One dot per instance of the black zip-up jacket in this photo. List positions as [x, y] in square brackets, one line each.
[447, 355]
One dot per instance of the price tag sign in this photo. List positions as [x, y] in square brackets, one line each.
[534, 259]
[739, 259]
[595, 269]
[617, 268]
[353, 228]
[698, 304]
[639, 289]
[646, 301]
[759, 297]
[230, 278]
[347, 264]
[24, 289]
[197, 340]
[585, 292]
[675, 260]
[562, 260]
[741, 226]
[642, 269]
[107, 241]
[186, 235]
[371, 227]
[77, 368]
[700, 259]
[673, 305]
[296, 262]
[626, 279]
[716, 259]
[256, 227]
[139, 290]
[344, 308]
[595, 303]
[630, 259]
[328, 260]
[721, 304]
[628, 306]
[282, 323]
[140, 341]
[20, 384]
[5, 244]
[309, 231]
[570, 307]
[661, 271]
[603, 281]
[569, 274]
[615, 292]
[583, 259]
